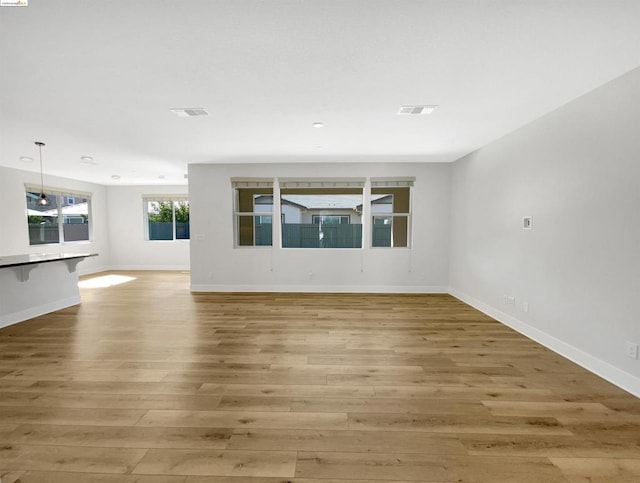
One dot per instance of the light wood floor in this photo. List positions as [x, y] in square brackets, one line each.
[145, 382]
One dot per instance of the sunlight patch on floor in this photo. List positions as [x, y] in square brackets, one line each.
[105, 281]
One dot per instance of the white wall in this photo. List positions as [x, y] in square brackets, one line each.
[129, 248]
[577, 172]
[292, 214]
[14, 236]
[217, 265]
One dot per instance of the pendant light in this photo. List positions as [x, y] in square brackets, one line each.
[42, 200]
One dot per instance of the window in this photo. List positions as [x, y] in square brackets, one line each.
[391, 212]
[253, 212]
[167, 218]
[321, 213]
[43, 222]
[331, 219]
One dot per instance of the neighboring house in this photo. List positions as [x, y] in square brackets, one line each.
[328, 221]
[43, 220]
[319, 209]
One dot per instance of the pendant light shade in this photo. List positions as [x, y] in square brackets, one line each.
[42, 200]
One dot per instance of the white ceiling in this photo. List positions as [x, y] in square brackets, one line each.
[97, 78]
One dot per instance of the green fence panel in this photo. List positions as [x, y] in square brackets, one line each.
[263, 234]
[41, 233]
[302, 235]
[183, 231]
[381, 236]
[160, 230]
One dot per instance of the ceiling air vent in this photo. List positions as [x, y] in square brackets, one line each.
[406, 110]
[189, 111]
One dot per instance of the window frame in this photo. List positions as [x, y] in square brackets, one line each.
[313, 186]
[164, 198]
[256, 187]
[393, 185]
[61, 195]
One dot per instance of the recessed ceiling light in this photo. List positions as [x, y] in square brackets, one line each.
[189, 111]
[88, 160]
[26, 159]
[317, 124]
[422, 109]
[115, 176]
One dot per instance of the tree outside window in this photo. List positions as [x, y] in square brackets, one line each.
[168, 220]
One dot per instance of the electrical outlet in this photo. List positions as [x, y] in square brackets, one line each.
[505, 299]
[525, 306]
[631, 349]
[512, 301]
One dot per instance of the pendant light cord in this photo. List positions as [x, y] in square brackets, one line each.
[43, 201]
[41, 177]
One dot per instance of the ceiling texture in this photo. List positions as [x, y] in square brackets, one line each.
[98, 79]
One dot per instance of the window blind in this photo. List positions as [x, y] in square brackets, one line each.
[288, 183]
[392, 182]
[165, 197]
[57, 191]
[252, 182]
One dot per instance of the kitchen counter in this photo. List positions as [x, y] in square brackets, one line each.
[36, 284]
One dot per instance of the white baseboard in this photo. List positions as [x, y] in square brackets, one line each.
[320, 288]
[91, 271]
[149, 267]
[611, 373]
[31, 312]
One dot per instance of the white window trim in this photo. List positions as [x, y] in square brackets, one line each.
[393, 215]
[243, 183]
[57, 191]
[252, 183]
[394, 182]
[173, 199]
[329, 183]
[59, 194]
[365, 183]
[289, 183]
